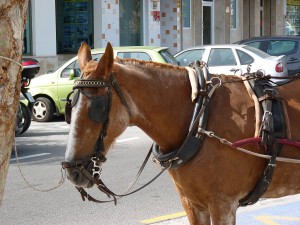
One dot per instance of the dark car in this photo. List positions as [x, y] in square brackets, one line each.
[279, 45]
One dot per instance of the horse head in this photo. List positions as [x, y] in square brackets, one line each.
[92, 105]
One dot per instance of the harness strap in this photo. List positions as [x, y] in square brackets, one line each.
[119, 92]
[193, 142]
[265, 180]
[268, 97]
[102, 187]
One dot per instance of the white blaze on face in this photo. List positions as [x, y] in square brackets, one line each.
[193, 81]
[71, 144]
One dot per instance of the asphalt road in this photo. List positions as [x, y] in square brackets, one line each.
[41, 150]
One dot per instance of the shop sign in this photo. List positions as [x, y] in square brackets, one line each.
[156, 15]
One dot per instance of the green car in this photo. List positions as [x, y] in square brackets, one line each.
[50, 90]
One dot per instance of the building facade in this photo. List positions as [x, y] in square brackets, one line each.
[55, 29]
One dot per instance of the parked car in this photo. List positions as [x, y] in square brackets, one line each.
[279, 45]
[233, 59]
[50, 90]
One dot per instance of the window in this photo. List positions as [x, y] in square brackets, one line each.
[255, 44]
[189, 56]
[221, 57]
[74, 24]
[134, 55]
[168, 57]
[245, 59]
[282, 47]
[186, 13]
[257, 51]
[292, 25]
[74, 66]
[27, 33]
[233, 14]
[131, 22]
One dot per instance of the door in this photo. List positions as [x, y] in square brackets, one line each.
[207, 23]
[131, 22]
[221, 61]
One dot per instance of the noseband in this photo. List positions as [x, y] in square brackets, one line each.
[99, 112]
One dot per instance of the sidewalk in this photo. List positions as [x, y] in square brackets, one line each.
[260, 205]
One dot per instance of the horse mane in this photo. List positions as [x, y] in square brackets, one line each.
[157, 68]
[151, 67]
[90, 66]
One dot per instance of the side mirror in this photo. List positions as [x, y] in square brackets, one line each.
[71, 74]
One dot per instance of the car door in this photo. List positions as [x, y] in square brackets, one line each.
[188, 56]
[65, 83]
[222, 61]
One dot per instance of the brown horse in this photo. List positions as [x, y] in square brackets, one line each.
[156, 98]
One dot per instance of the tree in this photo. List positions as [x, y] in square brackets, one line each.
[12, 24]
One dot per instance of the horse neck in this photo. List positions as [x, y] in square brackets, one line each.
[160, 100]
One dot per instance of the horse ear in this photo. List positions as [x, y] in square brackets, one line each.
[84, 55]
[105, 64]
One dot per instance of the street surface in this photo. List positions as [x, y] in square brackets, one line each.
[41, 150]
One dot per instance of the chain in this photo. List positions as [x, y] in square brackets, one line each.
[60, 182]
[230, 144]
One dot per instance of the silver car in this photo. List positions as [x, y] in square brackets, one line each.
[233, 59]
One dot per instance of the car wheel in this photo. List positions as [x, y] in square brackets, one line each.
[42, 110]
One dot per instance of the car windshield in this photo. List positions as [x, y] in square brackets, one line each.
[257, 51]
[168, 57]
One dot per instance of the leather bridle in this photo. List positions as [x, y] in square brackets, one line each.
[91, 167]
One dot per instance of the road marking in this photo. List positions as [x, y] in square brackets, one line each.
[30, 156]
[270, 220]
[163, 218]
[127, 139]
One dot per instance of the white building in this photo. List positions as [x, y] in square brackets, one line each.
[55, 29]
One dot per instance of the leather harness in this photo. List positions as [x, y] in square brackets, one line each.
[272, 127]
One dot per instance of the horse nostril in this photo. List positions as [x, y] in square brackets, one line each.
[75, 176]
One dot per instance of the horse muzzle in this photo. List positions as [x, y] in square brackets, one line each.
[78, 175]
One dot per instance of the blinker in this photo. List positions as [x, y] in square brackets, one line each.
[99, 108]
[70, 104]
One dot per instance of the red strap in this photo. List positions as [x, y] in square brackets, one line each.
[257, 140]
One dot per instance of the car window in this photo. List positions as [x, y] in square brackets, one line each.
[257, 51]
[73, 66]
[255, 44]
[245, 58]
[168, 57]
[76, 67]
[221, 57]
[281, 47]
[134, 55]
[189, 56]
[97, 57]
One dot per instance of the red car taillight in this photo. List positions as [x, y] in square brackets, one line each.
[279, 68]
